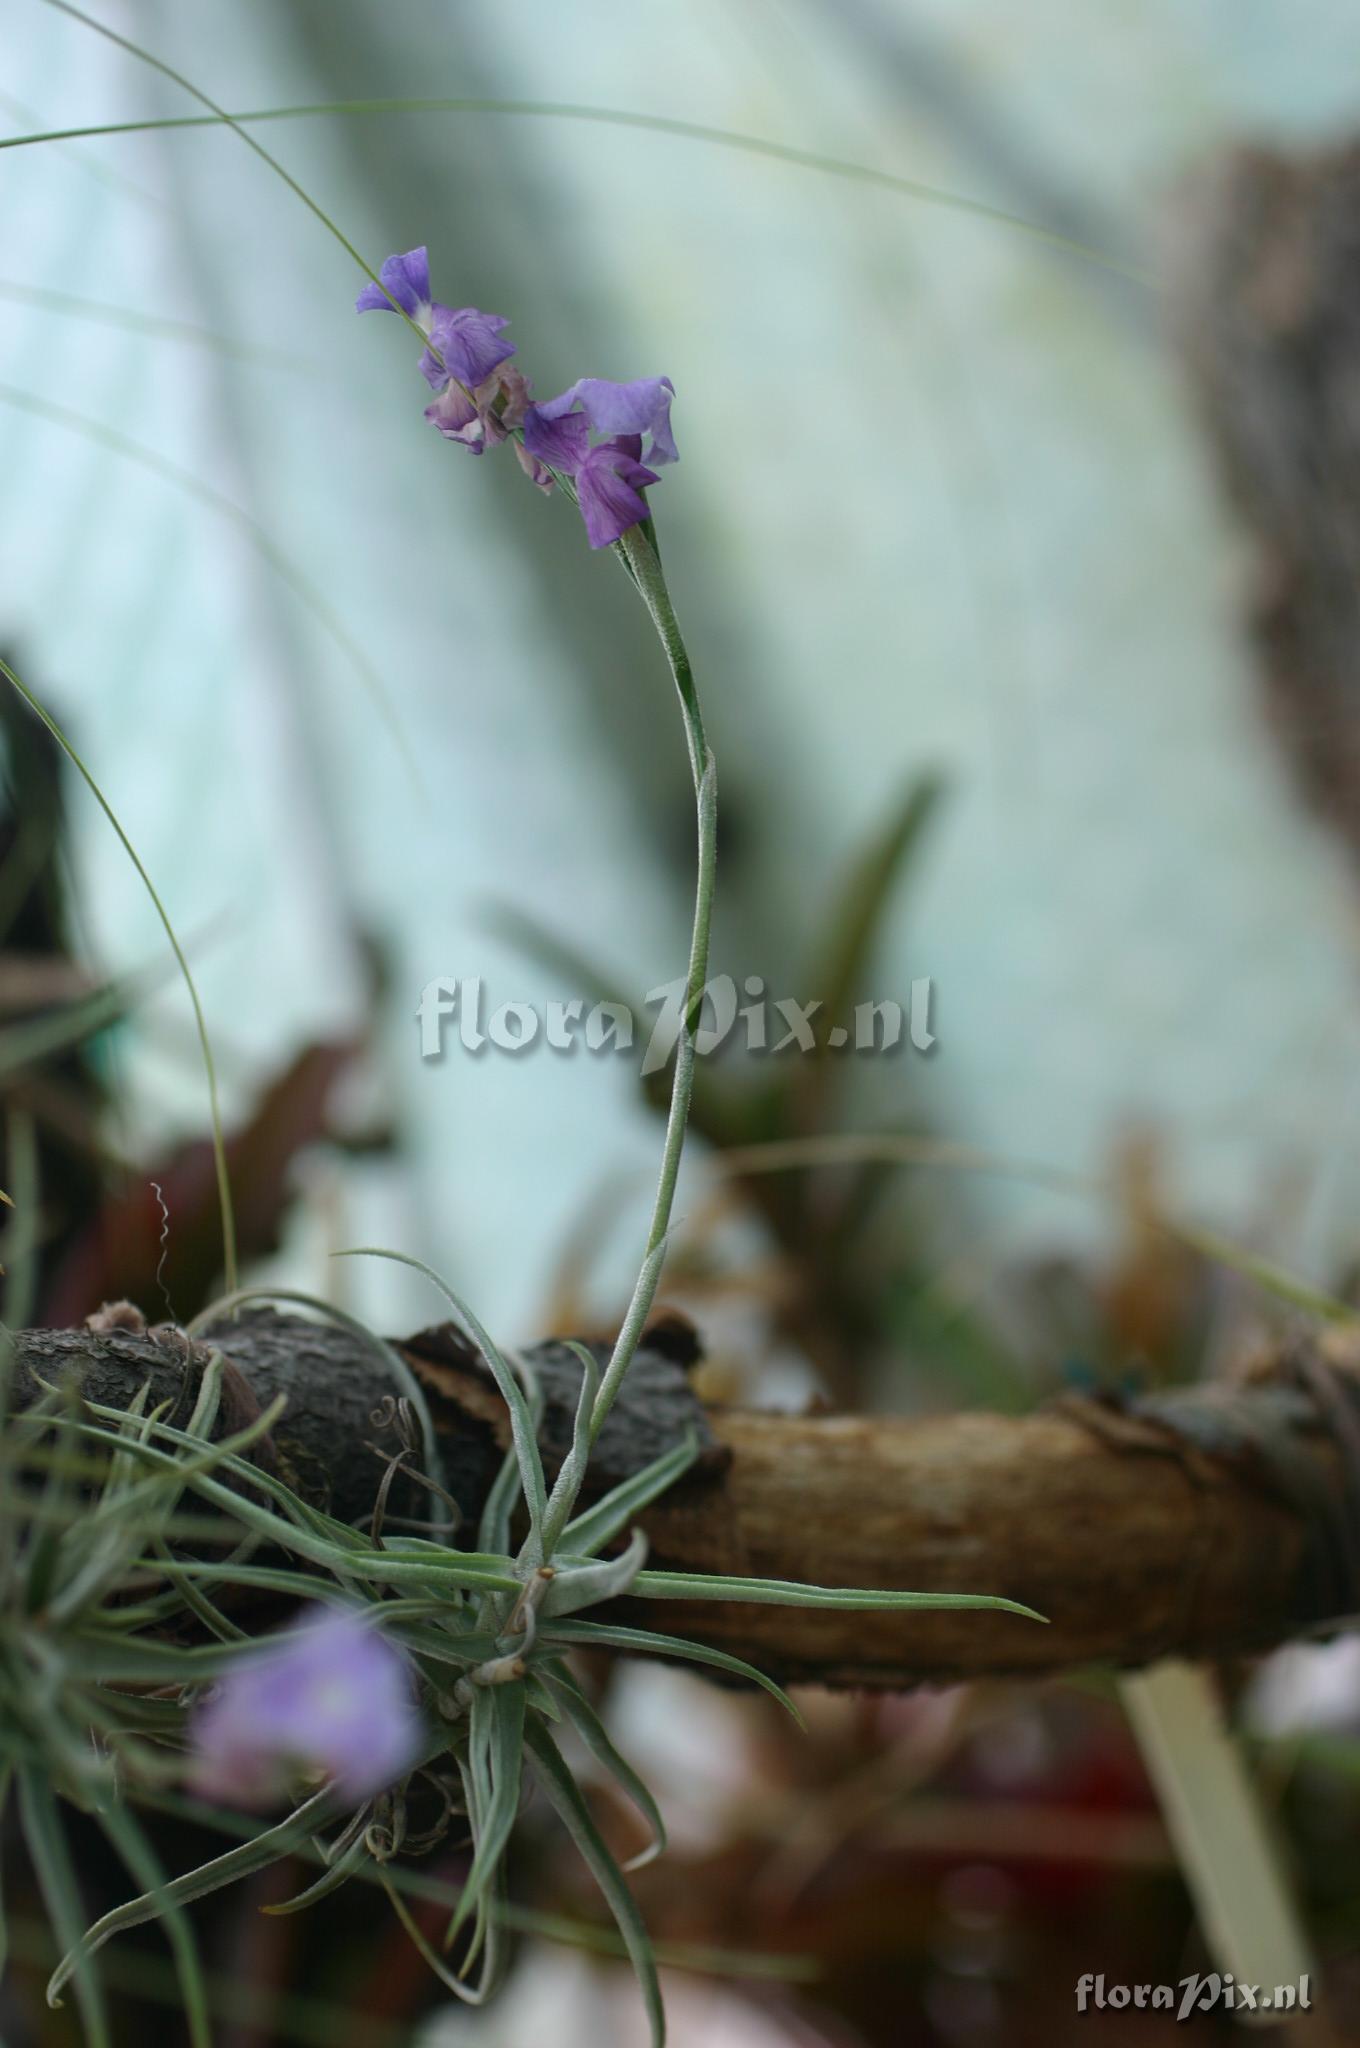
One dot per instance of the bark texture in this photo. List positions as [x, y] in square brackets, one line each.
[1205, 1523]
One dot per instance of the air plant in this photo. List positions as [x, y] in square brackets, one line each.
[122, 1533]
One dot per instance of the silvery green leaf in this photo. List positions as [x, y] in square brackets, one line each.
[645, 1642]
[496, 1755]
[790, 1593]
[565, 1795]
[489, 1931]
[584, 1585]
[493, 1530]
[539, 1697]
[129, 1839]
[344, 1867]
[573, 1472]
[603, 1522]
[40, 1821]
[236, 1863]
[598, 1741]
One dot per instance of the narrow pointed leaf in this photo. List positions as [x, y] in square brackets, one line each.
[493, 1955]
[498, 1731]
[585, 1585]
[645, 1642]
[236, 1863]
[565, 1795]
[493, 1529]
[790, 1593]
[129, 1839]
[623, 1503]
[598, 1741]
[40, 1820]
[330, 1880]
[568, 1484]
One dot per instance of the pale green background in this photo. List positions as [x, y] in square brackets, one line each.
[942, 501]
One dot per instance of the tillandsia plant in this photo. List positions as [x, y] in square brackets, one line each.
[419, 1667]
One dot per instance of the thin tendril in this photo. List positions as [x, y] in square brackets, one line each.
[220, 114]
[205, 1046]
[608, 117]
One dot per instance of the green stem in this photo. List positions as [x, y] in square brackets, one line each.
[640, 559]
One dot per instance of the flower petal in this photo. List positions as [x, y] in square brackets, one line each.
[557, 435]
[642, 407]
[468, 344]
[536, 471]
[408, 280]
[457, 418]
[472, 420]
[514, 388]
[608, 487]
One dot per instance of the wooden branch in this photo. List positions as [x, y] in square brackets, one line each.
[1204, 1523]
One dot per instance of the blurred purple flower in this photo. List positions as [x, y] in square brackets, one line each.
[330, 1696]
[593, 432]
[465, 345]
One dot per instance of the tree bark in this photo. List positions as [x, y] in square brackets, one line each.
[1205, 1523]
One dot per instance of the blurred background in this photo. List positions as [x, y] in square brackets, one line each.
[977, 626]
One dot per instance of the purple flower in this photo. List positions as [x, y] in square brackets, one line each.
[331, 1696]
[594, 432]
[610, 474]
[469, 347]
[407, 278]
[486, 415]
[643, 407]
[465, 345]
[609, 487]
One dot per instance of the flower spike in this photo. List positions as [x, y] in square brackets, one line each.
[593, 432]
